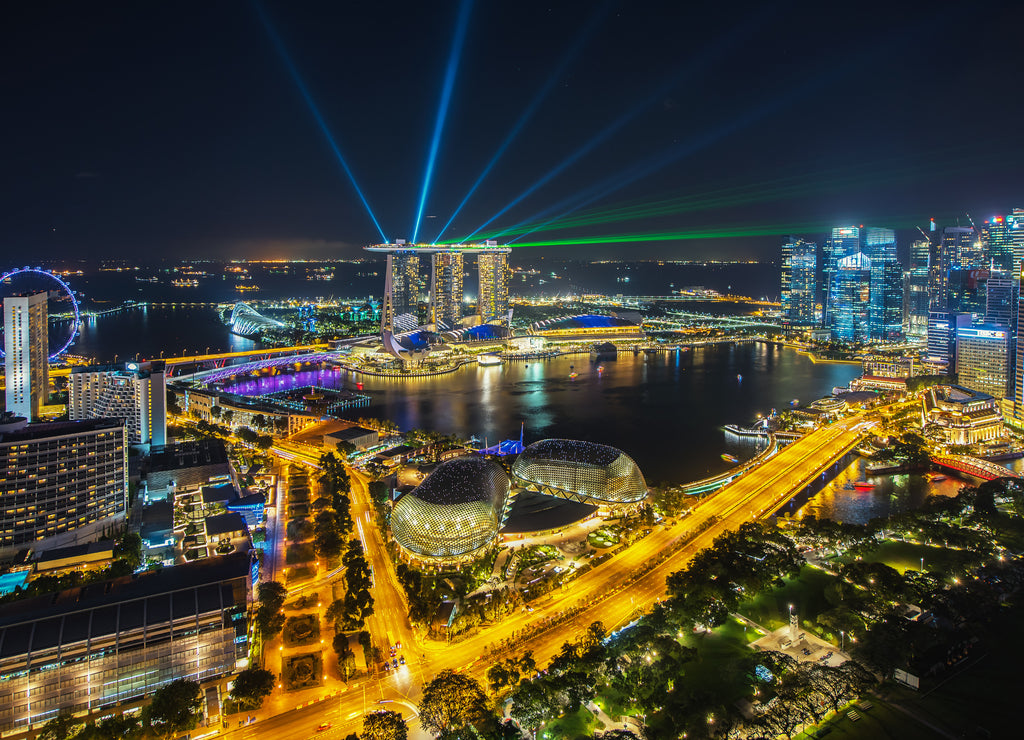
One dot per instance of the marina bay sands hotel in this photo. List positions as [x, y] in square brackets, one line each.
[402, 285]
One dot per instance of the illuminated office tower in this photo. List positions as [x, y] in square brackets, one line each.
[799, 265]
[885, 311]
[493, 296]
[134, 393]
[959, 249]
[26, 354]
[446, 290]
[917, 288]
[401, 292]
[983, 358]
[845, 240]
[1003, 240]
[850, 293]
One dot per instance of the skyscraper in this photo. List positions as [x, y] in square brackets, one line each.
[845, 241]
[1003, 241]
[885, 314]
[134, 393]
[446, 277]
[851, 293]
[401, 292]
[26, 354]
[917, 288]
[799, 265]
[983, 359]
[493, 296]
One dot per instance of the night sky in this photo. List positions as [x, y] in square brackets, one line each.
[177, 129]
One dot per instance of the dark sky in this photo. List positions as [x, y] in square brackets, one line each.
[175, 129]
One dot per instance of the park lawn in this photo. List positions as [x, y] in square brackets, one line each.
[904, 556]
[580, 724]
[881, 722]
[716, 649]
[806, 593]
[296, 554]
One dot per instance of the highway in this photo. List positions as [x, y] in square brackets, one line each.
[612, 593]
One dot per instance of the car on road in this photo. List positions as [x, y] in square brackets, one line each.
[401, 659]
[323, 726]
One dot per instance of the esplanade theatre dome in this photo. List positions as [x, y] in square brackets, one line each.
[456, 510]
[585, 470]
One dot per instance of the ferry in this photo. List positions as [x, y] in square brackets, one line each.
[488, 360]
[935, 477]
[730, 458]
[864, 485]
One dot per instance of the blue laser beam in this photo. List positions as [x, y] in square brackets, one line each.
[307, 96]
[570, 55]
[442, 109]
[707, 57]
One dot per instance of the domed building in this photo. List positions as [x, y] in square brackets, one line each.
[454, 512]
[581, 471]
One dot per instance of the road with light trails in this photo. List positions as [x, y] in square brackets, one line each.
[605, 594]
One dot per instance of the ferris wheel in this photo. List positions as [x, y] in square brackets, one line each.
[33, 278]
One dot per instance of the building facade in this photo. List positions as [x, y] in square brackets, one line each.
[851, 298]
[94, 647]
[580, 471]
[799, 270]
[983, 359]
[916, 309]
[885, 311]
[61, 483]
[26, 354]
[446, 285]
[136, 393]
[492, 303]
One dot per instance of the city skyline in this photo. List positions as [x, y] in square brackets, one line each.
[223, 131]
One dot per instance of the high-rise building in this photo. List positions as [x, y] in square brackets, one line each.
[885, 313]
[966, 293]
[133, 392]
[26, 354]
[959, 249]
[401, 291]
[942, 328]
[851, 298]
[446, 275]
[1003, 240]
[845, 240]
[492, 303]
[61, 483]
[983, 359]
[916, 308]
[799, 267]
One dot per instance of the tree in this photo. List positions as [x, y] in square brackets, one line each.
[384, 725]
[269, 619]
[531, 703]
[228, 416]
[62, 727]
[129, 549]
[451, 702]
[251, 686]
[216, 411]
[118, 727]
[346, 658]
[175, 708]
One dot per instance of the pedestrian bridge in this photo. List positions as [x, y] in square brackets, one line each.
[975, 466]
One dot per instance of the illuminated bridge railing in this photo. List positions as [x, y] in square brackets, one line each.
[707, 485]
[213, 376]
[975, 466]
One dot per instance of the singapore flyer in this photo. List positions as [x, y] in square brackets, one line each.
[62, 304]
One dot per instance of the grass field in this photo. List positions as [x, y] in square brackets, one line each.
[904, 556]
[579, 725]
[805, 593]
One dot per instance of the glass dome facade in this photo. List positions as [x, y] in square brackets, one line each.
[456, 510]
[585, 470]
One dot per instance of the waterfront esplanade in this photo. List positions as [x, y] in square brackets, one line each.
[401, 284]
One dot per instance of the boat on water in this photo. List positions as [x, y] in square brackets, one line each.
[574, 375]
[600, 369]
[936, 477]
[795, 402]
[864, 485]
[729, 458]
[488, 360]
[739, 378]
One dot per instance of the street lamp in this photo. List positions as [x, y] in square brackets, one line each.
[842, 638]
[922, 565]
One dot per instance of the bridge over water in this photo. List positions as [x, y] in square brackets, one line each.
[975, 466]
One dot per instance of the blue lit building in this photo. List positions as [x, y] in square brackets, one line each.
[799, 266]
[851, 293]
[885, 313]
[845, 241]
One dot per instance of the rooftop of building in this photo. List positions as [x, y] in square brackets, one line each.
[191, 454]
[103, 547]
[157, 518]
[959, 394]
[349, 433]
[584, 321]
[219, 494]
[252, 499]
[572, 450]
[126, 588]
[46, 429]
[141, 369]
[464, 480]
[224, 523]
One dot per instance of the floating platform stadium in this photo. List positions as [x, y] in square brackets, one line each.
[460, 509]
